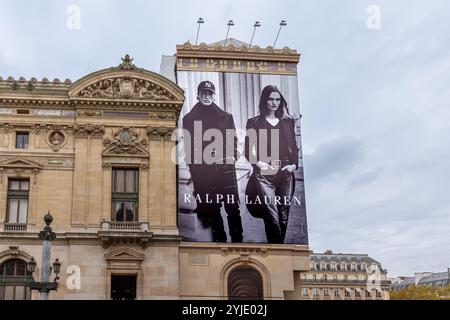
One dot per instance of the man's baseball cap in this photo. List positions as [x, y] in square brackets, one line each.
[206, 85]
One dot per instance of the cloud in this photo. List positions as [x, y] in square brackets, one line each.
[336, 157]
[365, 178]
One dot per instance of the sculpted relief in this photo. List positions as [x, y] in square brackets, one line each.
[125, 141]
[126, 88]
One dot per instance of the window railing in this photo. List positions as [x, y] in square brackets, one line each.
[15, 227]
[124, 226]
[118, 225]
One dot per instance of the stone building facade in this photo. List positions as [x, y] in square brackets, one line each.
[336, 276]
[97, 154]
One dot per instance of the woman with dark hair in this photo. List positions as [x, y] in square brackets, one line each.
[271, 148]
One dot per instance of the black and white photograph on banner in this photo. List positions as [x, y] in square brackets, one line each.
[240, 160]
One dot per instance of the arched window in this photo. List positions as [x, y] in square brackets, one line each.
[245, 282]
[12, 280]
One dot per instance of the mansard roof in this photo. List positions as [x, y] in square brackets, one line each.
[342, 257]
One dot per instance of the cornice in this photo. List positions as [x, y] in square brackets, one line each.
[254, 53]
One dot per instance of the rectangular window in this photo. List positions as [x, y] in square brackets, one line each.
[357, 293]
[326, 292]
[22, 139]
[305, 292]
[125, 195]
[336, 293]
[324, 277]
[335, 278]
[315, 292]
[17, 208]
[347, 293]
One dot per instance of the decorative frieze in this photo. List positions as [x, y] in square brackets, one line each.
[85, 130]
[126, 88]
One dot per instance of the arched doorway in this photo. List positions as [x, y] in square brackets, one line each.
[13, 275]
[245, 282]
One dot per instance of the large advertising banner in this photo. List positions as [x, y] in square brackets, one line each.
[240, 175]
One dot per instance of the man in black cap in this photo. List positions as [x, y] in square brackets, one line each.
[213, 179]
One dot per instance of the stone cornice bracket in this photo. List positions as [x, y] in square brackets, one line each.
[162, 132]
[85, 130]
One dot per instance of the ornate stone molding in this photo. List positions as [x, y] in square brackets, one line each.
[37, 128]
[125, 141]
[163, 132]
[85, 130]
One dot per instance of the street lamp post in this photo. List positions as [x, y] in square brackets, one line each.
[45, 286]
[256, 25]
[229, 24]
[200, 22]
[282, 24]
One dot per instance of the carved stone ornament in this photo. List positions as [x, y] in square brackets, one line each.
[126, 88]
[127, 63]
[84, 130]
[160, 131]
[56, 140]
[125, 141]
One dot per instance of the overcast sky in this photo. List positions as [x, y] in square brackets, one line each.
[375, 103]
